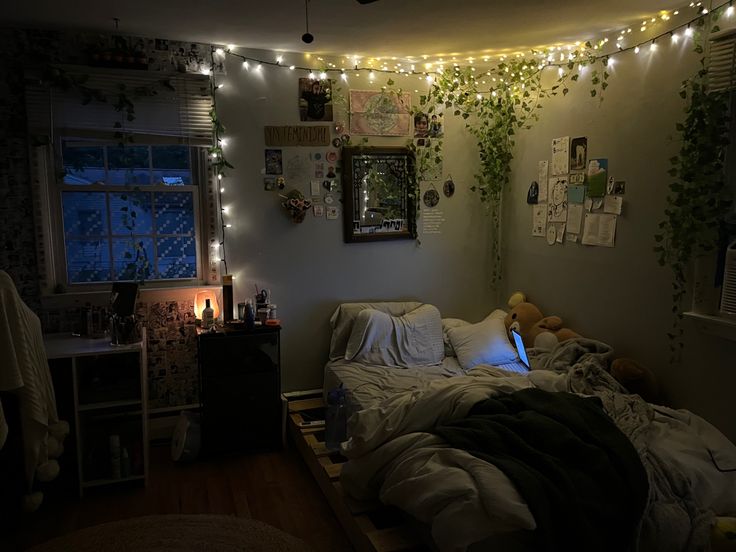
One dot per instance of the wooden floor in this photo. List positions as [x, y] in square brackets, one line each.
[275, 488]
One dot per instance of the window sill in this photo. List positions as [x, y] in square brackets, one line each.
[719, 326]
[73, 298]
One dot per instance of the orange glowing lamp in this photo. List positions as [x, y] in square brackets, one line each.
[200, 302]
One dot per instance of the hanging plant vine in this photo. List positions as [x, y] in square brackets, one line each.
[698, 201]
[495, 104]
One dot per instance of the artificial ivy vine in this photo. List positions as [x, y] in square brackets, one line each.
[698, 201]
[498, 102]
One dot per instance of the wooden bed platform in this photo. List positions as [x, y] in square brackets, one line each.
[370, 526]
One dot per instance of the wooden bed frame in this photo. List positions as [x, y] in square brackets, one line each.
[370, 526]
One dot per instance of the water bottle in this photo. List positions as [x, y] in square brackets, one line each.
[250, 315]
[335, 419]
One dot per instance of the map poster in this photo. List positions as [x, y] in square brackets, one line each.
[374, 113]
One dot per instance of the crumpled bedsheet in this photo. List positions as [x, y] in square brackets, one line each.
[393, 455]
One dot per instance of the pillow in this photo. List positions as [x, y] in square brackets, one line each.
[344, 316]
[412, 339]
[448, 323]
[483, 343]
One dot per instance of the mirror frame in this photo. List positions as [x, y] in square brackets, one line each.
[348, 154]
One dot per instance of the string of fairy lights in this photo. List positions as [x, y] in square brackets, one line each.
[558, 55]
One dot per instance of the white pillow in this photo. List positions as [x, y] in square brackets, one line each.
[413, 339]
[448, 323]
[483, 343]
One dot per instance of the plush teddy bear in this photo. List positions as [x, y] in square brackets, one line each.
[530, 324]
[545, 332]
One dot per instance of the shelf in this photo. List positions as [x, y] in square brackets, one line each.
[101, 482]
[720, 326]
[108, 404]
[168, 409]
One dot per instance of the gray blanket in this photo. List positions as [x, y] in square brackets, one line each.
[680, 508]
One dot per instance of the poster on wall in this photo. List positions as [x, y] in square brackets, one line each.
[274, 161]
[557, 199]
[597, 177]
[315, 99]
[599, 230]
[374, 113]
[578, 153]
[560, 155]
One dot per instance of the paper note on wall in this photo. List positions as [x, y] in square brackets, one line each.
[542, 178]
[599, 230]
[539, 220]
[561, 155]
[613, 204]
[597, 177]
[574, 217]
[576, 194]
[557, 199]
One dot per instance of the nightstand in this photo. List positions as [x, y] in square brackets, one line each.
[240, 385]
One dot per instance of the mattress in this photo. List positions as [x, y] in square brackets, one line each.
[367, 385]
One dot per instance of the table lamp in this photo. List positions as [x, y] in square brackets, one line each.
[200, 300]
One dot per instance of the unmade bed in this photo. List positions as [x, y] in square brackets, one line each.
[408, 441]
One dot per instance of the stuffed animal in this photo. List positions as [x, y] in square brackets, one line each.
[545, 332]
[530, 324]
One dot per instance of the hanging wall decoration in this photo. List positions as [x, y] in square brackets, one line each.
[381, 113]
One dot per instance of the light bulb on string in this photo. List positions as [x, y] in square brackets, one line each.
[222, 190]
[246, 65]
[636, 50]
[729, 11]
[279, 59]
[259, 67]
[323, 75]
[688, 31]
[653, 47]
[675, 37]
[292, 67]
[312, 76]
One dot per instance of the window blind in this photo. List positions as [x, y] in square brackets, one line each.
[172, 106]
[722, 61]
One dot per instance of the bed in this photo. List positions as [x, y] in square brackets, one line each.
[455, 441]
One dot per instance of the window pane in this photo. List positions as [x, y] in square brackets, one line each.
[170, 157]
[174, 213]
[87, 261]
[172, 177]
[131, 213]
[83, 165]
[133, 258]
[128, 165]
[85, 214]
[177, 257]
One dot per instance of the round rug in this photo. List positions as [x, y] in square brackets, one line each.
[181, 533]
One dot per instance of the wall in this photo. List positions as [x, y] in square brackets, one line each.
[307, 267]
[169, 316]
[620, 295]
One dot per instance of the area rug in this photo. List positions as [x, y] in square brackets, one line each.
[181, 533]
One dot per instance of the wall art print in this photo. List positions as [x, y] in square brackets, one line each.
[374, 113]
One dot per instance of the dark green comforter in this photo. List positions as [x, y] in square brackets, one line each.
[580, 476]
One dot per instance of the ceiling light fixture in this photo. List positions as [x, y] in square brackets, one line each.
[307, 37]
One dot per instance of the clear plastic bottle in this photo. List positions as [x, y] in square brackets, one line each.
[335, 419]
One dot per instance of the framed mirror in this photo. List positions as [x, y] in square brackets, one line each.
[376, 189]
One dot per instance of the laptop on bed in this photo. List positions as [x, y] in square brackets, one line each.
[521, 366]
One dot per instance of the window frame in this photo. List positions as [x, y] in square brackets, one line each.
[56, 269]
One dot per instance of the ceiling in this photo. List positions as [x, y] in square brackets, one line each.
[402, 28]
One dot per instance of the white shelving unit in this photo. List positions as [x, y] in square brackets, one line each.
[128, 405]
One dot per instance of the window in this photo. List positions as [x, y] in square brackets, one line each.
[129, 212]
[121, 198]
